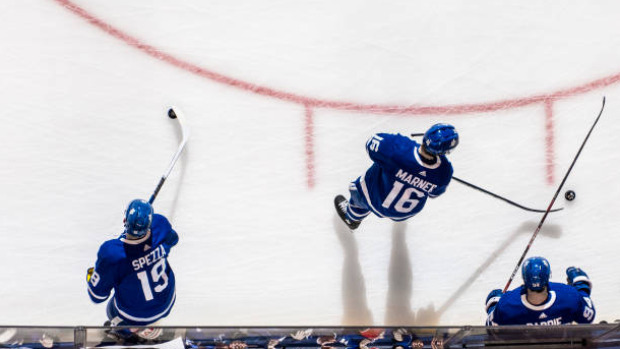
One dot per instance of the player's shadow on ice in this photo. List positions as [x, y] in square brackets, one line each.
[356, 311]
[400, 286]
[400, 278]
[400, 283]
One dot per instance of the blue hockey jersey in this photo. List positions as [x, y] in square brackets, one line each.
[137, 270]
[564, 305]
[397, 185]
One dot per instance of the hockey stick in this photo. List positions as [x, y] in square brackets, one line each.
[501, 197]
[542, 220]
[173, 113]
[491, 193]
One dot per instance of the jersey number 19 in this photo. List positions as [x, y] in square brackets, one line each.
[157, 272]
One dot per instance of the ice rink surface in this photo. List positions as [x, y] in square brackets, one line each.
[280, 97]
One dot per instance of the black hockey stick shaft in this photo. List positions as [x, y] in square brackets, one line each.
[173, 113]
[501, 197]
[157, 189]
[491, 193]
[542, 220]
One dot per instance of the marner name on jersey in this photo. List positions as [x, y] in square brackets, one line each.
[415, 181]
[150, 258]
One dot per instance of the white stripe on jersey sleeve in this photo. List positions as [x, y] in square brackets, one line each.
[92, 293]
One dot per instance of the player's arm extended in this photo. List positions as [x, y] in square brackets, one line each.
[587, 312]
[441, 188]
[100, 280]
[380, 148]
[491, 305]
[580, 280]
[171, 238]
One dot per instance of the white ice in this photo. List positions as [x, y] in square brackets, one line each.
[83, 131]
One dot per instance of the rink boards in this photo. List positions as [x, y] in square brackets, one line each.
[570, 336]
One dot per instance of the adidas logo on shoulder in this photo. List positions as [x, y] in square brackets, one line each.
[423, 173]
[542, 316]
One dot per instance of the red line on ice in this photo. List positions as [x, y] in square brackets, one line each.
[309, 147]
[549, 140]
[309, 102]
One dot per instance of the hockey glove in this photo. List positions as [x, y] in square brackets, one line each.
[578, 279]
[89, 273]
[493, 299]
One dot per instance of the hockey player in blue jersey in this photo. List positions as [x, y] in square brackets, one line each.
[540, 302]
[135, 266]
[403, 175]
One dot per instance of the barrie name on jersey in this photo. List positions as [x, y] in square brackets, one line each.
[399, 182]
[564, 305]
[137, 270]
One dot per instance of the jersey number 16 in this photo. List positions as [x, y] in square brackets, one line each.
[408, 200]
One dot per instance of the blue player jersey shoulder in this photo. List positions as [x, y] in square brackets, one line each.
[162, 232]
[160, 222]
[111, 251]
[512, 298]
[568, 292]
[160, 227]
[401, 142]
[401, 149]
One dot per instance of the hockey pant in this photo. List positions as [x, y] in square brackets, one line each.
[116, 319]
[357, 209]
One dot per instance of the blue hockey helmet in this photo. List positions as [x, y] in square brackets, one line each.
[440, 139]
[536, 272]
[138, 218]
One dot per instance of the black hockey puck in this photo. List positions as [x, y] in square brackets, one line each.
[570, 195]
[172, 114]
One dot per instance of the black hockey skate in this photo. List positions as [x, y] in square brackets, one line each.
[341, 207]
[122, 336]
